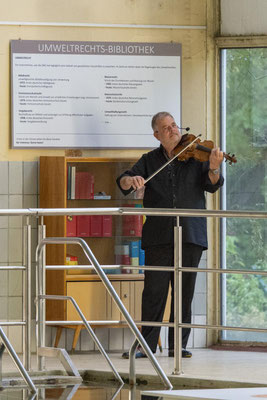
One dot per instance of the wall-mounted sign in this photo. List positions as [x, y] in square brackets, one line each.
[91, 94]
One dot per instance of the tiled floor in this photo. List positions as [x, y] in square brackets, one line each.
[207, 368]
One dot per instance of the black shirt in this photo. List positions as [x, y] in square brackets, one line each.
[181, 184]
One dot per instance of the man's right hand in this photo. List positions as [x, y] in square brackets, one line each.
[137, 182]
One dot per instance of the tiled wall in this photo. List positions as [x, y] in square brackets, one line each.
[19, 189]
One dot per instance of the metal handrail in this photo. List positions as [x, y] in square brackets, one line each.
[88, 327]
[41, 212]
[89, 254]
[17, 361]
[167, 212]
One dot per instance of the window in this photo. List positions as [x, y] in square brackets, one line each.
[244, 241]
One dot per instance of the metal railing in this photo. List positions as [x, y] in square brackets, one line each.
[178, 325]
[41, 296]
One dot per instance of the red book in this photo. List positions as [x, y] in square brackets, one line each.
[96, 225]
[83, 225]
[132, 224]
[84, 185]
[107, 225]
[128, 222]
[71, 225]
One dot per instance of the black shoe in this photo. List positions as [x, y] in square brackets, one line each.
[138, 354]
[185, 353]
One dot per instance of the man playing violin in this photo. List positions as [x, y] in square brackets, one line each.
[181, 184]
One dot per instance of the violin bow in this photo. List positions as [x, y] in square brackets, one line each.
[168, 162]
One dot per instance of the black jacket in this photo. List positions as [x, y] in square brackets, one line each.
[181, 184]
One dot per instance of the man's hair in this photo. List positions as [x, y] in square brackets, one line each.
[157, 117]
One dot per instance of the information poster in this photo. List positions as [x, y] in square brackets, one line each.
[91, 94]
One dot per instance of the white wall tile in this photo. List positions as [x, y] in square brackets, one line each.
[201, 283]
[3, 205]
[15, 283]
[199, 304]
[15, 337]
[128, 338]
[103, 336]
[3, 308]
[116, 338]
[14, 308]
[4, 246]
[190, 340]
[87, 343]
[30, 177]
[3, 283]
[200, 335]
[4, 177]
[164, 337]
[15, 202]
[15, 177]
[202, 263]
[15, 246]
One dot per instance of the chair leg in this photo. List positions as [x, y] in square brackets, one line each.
[58, 335]
[76, 336]
[160, 345]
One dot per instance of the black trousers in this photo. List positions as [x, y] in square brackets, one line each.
[156, 287]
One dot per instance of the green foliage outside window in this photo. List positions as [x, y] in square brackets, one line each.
[246, 183]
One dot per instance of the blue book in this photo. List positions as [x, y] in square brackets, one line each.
[134, 249]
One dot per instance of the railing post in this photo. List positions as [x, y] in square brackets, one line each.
[40, 303]
[177, 299]
[2, 349]
[27, 294]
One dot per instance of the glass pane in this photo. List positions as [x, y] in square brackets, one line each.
[244, 131]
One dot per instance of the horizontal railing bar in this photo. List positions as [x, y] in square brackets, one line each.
[222, 328]
[149, 212]
[152, 323]
[12, 323]
[17, 212]
[161, 268]
[89, 267]
[224, 271]
[12, 267]
[37, 212]
[124, 323]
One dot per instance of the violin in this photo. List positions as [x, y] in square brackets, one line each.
[191, 146]
[200, 151]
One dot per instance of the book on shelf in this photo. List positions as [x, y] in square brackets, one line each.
[71, 260]
[69, 182]
[84, 185]
[80, 184]
[72, 185]
[71, 225]
[107, 225]
[132, 224]
[102, 196]
[83, 225]
[96, 225]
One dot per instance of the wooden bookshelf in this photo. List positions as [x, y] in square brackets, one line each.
[85, 287]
